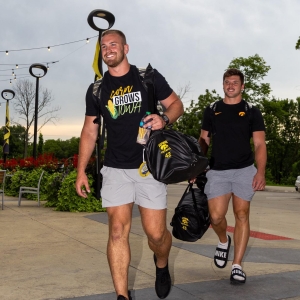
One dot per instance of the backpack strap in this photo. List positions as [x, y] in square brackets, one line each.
[213, 107]
[96, 97]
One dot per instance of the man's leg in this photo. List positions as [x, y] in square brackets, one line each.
[218, 207]
[160, 241]
[118, 248]
[241, 209]
[159, 237]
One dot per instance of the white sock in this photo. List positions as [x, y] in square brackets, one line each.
[222, 246]
[237, 277]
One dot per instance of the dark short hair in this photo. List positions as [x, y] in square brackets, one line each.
[115, 31]
[232, 72]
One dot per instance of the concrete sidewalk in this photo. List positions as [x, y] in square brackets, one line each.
[60, 255]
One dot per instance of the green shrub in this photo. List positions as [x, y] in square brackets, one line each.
[52, 187]
[68, 200]
[26, 178]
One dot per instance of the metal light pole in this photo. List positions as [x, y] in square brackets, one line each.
[37, 76]
[7, 95]
[109, 17]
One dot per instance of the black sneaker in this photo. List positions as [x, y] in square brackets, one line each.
[121, 297]
[163, 281]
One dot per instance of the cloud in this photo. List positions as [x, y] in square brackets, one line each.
[187, 41]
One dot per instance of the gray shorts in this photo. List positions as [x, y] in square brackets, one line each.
[123, 186]
[236, 181]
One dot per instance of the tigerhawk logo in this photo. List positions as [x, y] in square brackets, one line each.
[217, 113]
[184, 223]
[242, 113]
[165, 149]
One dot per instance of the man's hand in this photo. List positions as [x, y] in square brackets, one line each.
[259, 182]
[82, 185]
[155, 121]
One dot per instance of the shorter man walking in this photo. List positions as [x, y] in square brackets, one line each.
[231, 123]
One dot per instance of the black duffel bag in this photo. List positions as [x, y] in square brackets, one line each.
[191, 217]
[174, 157]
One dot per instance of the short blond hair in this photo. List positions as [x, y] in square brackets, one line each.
[115, 31]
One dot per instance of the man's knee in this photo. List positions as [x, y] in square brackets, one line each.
[242, 216]
[216, 218]
[158, 237]
[118, 231]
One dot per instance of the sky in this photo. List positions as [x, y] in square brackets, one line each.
[190, 42]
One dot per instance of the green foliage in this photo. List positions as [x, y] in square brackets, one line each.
[282, 120]
[52, 187]
[40, 148]
[254, 69]
[298, 44]
[30, 179]
[16, 141]
[190, 121]
[68, 200]
[62, 149]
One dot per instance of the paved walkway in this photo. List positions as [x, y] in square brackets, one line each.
[60, 255]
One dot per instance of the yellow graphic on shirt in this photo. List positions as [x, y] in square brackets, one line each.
[242, 113]
[112, 110]
[124, 101]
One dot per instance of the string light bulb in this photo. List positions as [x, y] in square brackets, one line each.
[10, 81]
[87, 40]
[13, 73]
[15, 77]
[6, 52]
[17, 66]
[48, 48]
[48, 67]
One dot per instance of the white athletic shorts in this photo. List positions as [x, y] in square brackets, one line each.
[123, 186]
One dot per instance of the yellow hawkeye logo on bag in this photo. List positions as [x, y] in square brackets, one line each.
[165, 149]
[184, 223]
[242, 113]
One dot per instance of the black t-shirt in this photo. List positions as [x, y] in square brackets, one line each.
[231, 147]
[123, 104]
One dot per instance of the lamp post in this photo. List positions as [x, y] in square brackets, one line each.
[37, 76]
[7, 95]
[109, 17]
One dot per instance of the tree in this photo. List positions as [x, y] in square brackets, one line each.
[190, 122]
[62, 149]
[282, 120]
[254, 69]
[40, 147]
[16, 141]
[298, 44]
[24, 105]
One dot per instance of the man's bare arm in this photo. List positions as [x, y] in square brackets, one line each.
[204, 141]
[174, 109]
[260, 149]
[88, 139]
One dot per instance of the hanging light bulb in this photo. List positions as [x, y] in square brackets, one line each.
[49, 48]
[48, 67]
[10, 81]
[15, 77]
[87, 40]
[6, 52]
[13, 72]
[17, 66]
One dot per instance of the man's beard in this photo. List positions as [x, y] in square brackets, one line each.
[114, 63]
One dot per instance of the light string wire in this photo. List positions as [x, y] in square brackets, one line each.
[48, 47]
[20, 76]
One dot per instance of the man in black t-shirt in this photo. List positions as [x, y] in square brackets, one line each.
[231, 123]
[126, 180]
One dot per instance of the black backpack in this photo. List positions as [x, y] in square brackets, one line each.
[174, 157]
[191, 218]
